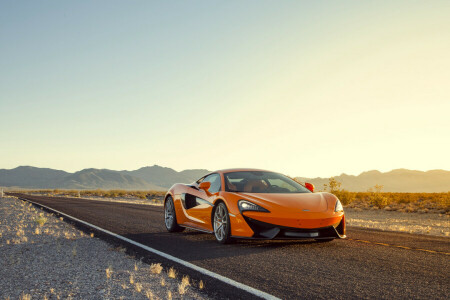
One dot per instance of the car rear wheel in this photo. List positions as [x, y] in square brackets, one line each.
[221, 224]
[170, 219]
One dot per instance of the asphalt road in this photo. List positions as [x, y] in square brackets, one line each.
[370, 264]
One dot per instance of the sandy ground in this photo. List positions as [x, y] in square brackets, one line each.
[422, 223]
[43, 257]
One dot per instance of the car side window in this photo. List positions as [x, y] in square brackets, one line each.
[200, 180]
[214, 179]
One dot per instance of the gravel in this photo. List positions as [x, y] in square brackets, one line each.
[429, 224]
[46, 258]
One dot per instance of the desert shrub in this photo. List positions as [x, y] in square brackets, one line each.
[345, 196]
[111, 194]
[439, 201]
[140, 194]
[98, 193]
[46, 191]
[443, 200]
[377, 198]
[73, 193]
[334, 187]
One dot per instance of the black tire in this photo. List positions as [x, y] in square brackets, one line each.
[170, 218]
[221, 223]
[324, 240]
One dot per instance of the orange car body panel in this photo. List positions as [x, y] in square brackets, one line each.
[293, 210]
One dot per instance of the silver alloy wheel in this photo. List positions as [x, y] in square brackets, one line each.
[220, 222]
[169, 213]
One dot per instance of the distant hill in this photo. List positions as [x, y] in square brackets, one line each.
[147, 178]
[399, 180]
[104, 179]
[26, 176]
[166, 177]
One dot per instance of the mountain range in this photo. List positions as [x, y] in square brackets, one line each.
[146, 178]
[161, 178]
[399, 180]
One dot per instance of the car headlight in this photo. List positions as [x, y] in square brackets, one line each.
[338, 206]
[245, 205]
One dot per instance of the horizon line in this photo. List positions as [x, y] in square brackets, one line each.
[156, 165]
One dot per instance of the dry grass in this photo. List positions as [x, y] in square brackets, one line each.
[185, 280]
[20, 232]
[108, 272]
[182, 287]
[40, 221]
[138, 287]
[201, 285]
[172, 273]
[149, 294]
[24, 296]
[405, 202]
[156, 268]
[131, 279]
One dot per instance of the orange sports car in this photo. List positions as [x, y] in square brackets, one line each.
[253, 204]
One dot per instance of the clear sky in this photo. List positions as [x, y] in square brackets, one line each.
[306, 88]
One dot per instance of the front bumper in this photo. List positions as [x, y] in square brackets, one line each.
[262, 230]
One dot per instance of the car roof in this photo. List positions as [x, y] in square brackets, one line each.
[240, 170]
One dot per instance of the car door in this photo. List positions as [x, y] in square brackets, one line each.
[198, 204]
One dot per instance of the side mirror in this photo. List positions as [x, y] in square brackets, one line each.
[309, 186]
[204, 185]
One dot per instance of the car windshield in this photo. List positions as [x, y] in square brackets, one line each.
[261, 182]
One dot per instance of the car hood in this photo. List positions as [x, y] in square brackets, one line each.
[313, 202]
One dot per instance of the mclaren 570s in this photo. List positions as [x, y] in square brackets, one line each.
[253, 204]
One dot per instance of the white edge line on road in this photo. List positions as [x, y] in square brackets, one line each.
[224, 279]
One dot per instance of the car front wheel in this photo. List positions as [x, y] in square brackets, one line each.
[221, 223]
